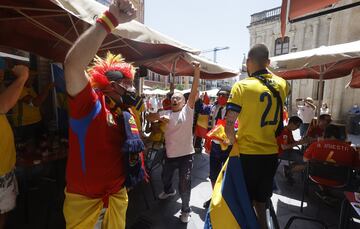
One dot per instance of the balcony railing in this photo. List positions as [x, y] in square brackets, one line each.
[265, 16]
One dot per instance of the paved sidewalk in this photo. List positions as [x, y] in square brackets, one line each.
[164, 214]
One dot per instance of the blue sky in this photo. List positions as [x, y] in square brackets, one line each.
[205, 24]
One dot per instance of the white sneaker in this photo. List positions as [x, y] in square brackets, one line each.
[164, 195]
[185, 217]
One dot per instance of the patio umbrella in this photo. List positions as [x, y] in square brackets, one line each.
[355, 80]
[323, 63]
[50, 27]
[179, 64]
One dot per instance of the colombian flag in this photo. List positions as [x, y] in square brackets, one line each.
[230, 206]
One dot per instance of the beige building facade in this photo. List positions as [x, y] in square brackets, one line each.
[336, 28]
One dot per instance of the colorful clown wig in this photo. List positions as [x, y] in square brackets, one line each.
[112, 68]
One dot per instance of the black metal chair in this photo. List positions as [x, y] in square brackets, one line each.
[320, 169]
[293, 218]
[273, 223]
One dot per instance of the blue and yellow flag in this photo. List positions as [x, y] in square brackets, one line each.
[230, 206]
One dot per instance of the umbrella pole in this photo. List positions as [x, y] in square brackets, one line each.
[291, 99]
[173, 72]
[321, 90]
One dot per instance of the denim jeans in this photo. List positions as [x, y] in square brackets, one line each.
[184, 164]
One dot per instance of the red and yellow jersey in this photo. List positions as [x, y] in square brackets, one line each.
[333, 151]
[259, 113]
[285, 138]
[95, 166]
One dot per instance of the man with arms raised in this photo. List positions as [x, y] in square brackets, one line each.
[95, 171]
[254, 102]
[179, 145]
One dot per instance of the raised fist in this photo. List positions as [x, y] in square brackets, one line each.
[21, 71]
[123, 10]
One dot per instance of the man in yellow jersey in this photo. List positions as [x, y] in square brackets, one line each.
[8, 185]
[26, 114]
[257, 103]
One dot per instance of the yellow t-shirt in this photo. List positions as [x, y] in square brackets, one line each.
[7, 146]
[258, 119]
[26, 114]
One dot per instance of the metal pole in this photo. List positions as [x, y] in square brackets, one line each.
[55, 101]
[291, 99]
[215, 50]
[321, 91]
[173, 72]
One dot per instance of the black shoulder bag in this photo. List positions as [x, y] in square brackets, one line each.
[278, 98]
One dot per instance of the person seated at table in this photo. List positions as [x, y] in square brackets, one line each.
[332, 149]
[26, 114]
[287, 152]
[316, 130]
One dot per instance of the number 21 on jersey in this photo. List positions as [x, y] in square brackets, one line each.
[267, 98]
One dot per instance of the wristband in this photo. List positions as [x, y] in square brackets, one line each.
[108, 21]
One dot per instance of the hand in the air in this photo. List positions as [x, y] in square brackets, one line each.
[123, 10]
[21, 71]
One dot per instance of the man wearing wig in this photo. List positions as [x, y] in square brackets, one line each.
[96, 170]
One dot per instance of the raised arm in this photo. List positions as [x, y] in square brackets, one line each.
[87, 45]
[9, 97]
[194, 88]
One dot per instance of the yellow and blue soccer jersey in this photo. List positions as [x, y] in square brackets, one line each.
[259, 113]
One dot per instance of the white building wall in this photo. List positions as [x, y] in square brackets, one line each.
[335, 28]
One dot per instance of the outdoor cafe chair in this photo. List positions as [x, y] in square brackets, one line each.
[325, 170]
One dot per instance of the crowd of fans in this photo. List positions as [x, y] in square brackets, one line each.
[111, 128]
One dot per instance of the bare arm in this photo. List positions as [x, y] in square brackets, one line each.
[11, 94]
[38, 100]
[296, 143]
[230, 118]
[87, 45]
[43, 95]
[194, 88]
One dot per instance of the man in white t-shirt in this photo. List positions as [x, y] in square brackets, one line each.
[306, 111]
[179, 144]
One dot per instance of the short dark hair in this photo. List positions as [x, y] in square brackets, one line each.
[259, 53]
[295, 120]
[324, 117]
[333, 131]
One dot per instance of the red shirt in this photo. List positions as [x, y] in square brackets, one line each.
[334, 151]
[95, 166]
[315, 132]
[285, 138]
